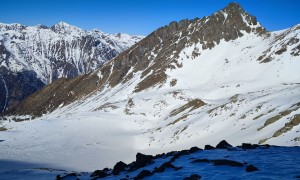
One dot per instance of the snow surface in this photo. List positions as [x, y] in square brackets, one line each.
[102, 128]
[272, 163]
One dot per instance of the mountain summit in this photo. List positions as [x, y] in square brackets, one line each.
[67, 29]
[219, 77]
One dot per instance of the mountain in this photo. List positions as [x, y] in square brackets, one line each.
[223, 76]
[32, 57]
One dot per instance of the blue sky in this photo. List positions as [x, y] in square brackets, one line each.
[140, 16]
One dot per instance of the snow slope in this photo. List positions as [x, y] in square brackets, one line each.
[244, 89]
[271, 163]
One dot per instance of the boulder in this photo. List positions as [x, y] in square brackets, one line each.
[119, 167]
[223, 145]
[142, 160]
[99, 174]
[208, 147]
[194, 149]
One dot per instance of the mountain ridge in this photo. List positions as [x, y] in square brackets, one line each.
[61, 50]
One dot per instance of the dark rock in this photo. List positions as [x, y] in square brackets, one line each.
[165, 166]
[201, 161]
[106, 169]
[249, 146]
[99, 174]
[58, 177]
[170, 153]
[223, 145]
[266, 146]
[179, 154]
[119, 167]
[143, 174]
[208, 147]
[251, 168]
[194, 149]
[142, 160]
[158, 156]
[220, 162]
[193, 177]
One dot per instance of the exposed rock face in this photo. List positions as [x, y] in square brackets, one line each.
[62, 50]
[14, 87]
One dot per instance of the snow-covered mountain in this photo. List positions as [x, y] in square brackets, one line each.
[186, 84]
[49, 53]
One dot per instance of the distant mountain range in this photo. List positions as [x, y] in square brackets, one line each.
[32, 57]
[223, 76]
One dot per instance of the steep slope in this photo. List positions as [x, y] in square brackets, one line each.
[47, 54]
[220, 77]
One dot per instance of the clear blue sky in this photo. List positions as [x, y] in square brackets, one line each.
[140, 16]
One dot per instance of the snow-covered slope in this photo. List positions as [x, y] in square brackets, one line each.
[53, 52]
[186, 84]
[223, 162]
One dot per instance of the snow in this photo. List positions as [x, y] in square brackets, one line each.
[33, 48]
[102, 128]
[272, 163]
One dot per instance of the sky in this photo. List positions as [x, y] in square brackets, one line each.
[140, 17]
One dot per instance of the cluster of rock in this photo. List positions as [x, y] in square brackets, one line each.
[143, 160]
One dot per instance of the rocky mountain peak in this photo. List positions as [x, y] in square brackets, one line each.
[237, 13]
[234, 6]
[65, 28]
[41, 26]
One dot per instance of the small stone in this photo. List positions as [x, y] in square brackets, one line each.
[143, 174]
[193, 177]
[220, 162]
[251, 168]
